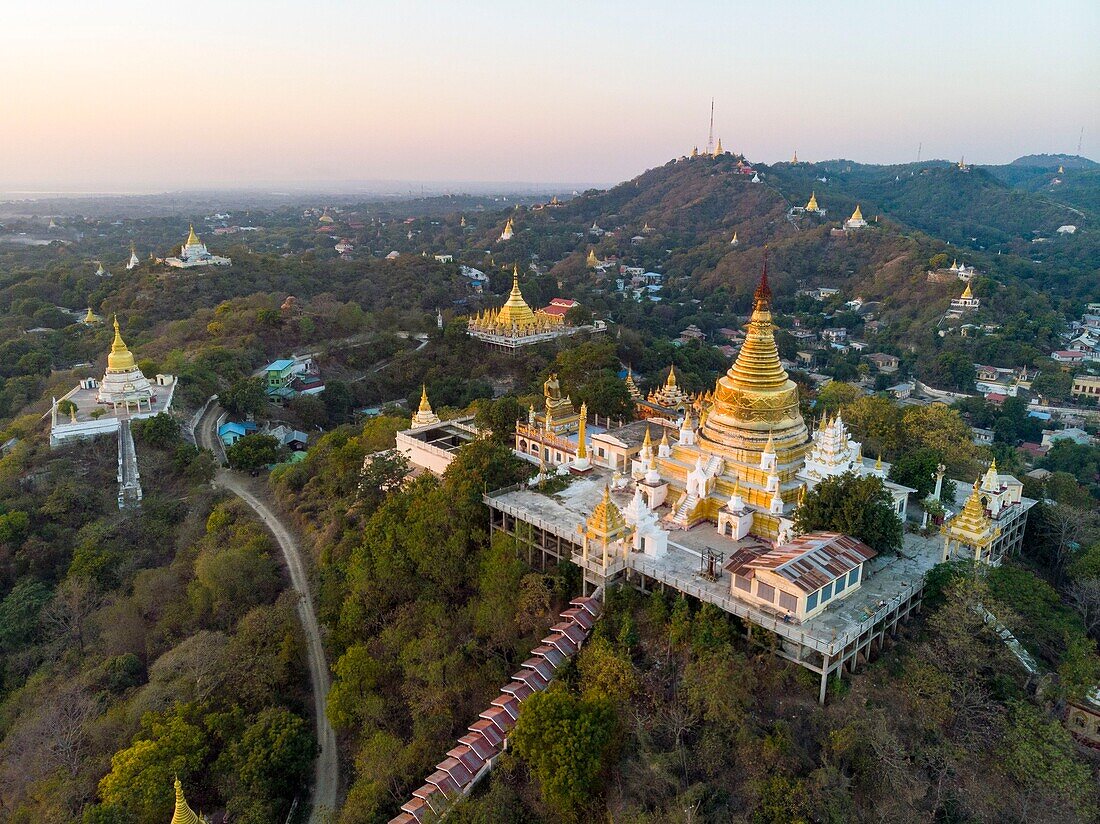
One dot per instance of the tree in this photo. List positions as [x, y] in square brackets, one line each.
[567, 742]
[853, 505]
[876, 422]
[952, 370]
[834, 395]
[140, 781]
[498, 582]
[19, 613]
[353, 698]
[273, 755]
[338, 401]
[499, 418]
[943, 430]
[606, 673]
[244, 397]
[917, 469]
[253, 452]
[161, 431]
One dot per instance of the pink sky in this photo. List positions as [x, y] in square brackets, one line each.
[123, 97]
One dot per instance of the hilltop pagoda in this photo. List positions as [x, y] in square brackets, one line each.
[194, 253]
[516, 324]
[123, 383]
[752, 440]
[856, 221]
[424, 415]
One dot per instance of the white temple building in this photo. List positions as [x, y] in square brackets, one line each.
[508, 231]
[195, 253]
[133, 262]
[833, 452]
[856, 221]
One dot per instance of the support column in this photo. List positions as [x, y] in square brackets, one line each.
[824, 680]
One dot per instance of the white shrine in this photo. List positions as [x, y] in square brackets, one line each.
[856, 221]
[133, 262]
[195, 253]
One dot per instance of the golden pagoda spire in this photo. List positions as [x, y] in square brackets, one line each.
[671, 380]
[120, 359]
[967, 293]
[424, 405]
[664, 438]
[515, 311]
[812, 205]
[718, 149]
[591, 261]
[647, 443]
[90, 317]
[606, 519]
[582, 450]
[183, 813]
[769, 447]
[857, 214]
[794, 158]
[878, 463]
[192, 238]
[1061, 170]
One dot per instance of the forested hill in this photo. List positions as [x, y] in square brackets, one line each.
[692, 207]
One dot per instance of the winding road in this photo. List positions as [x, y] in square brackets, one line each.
[326, 769]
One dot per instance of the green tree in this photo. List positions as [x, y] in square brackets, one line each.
[567, 742]
[943, 430]
[272, 757]
[253, 452]
[161, 431]
[244, 397]
[853, 505]
[834, 395]
[353, 698]
[19, 613]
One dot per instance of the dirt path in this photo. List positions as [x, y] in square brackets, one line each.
[326, 769]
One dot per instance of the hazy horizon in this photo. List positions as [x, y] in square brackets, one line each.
[120, 97]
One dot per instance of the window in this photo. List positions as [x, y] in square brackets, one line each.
[811, 601]
[741, 582]
[765, 591]
[788, 601]
[826, 592]
[840, 583]
[853, 576]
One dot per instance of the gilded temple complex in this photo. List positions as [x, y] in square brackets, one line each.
[700, 497]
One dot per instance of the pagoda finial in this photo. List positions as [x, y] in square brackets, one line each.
[582, 449]
[878, 463]
[192, 238]
[671, 381]
[183, 814]
[769, 447]
[763, 295]
[424, 405]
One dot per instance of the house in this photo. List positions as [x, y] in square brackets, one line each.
[1078, 436]
[1086, 386]
[293, 439]
[693, 332]
[231, 431]
[901, 390]
[883, 362]
[834, 335]
[1068, 356]
[1083, 719]
[445, 258]
[800, 578]
[980, 436]
[279, 375]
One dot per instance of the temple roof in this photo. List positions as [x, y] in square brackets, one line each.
[812, 205]
[121, 358]
[967, 293]
[857, 214]
[972, 525]
[192, 238]
[606, 519]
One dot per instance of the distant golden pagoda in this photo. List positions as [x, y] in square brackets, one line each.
[670, 397]
[509, 230]
[631, 387]
[718, 151]
[121, 359]
[592, 261]
[967, 293]
[91, 318]
[811, 206]
[794, 158]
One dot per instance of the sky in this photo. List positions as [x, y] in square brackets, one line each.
[119, 95]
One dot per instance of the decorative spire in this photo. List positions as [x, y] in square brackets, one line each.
[647, 444]
[671, 381]
[878, 463]
[812, 205]
[183, 813]
[664, 439]
[582, 450]
[763, 295]
[967, 293]
[424, 405]
[718, 149]
[769, 447]
[192, 238]
[857, 214]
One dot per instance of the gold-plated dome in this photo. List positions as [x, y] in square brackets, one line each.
[121, 358]
[192, 238]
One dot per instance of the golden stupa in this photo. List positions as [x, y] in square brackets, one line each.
[121, 358]
[192, 238]
[812, 205]
[967, 293]
[752, 436]
[183, 813]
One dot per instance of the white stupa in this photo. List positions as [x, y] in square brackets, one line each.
[195, 253]
[123, 383]
[133, 258]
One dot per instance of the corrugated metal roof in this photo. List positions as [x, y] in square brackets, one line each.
[809, 562]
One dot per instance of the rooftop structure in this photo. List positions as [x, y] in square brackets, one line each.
[194, 253]
[183, 814]
[991, 522]
[424, 416]
[434, 446]
[507, 232]
[966, 302]
[133, 262]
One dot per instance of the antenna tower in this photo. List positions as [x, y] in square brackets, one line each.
[1080, 137]
[919, 147]
[710, 137]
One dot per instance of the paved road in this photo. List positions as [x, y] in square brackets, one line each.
[326, 769]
